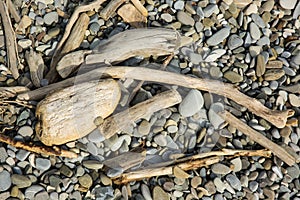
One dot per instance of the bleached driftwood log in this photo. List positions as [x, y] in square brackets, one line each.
[69, 114]
[127, 44]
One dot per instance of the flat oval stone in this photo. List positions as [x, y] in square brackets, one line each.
[185, 19]
[5, 181]
[220, 169]
[218, 37]
[254, 31]
[234, 41]
[191, 104]
[288, 4]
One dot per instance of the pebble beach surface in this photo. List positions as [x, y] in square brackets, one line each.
[253, 44]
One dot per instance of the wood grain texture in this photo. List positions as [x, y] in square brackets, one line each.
[36, 66]
[111, 8]
[69, 114]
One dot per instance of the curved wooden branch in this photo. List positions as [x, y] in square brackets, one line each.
[277, 118]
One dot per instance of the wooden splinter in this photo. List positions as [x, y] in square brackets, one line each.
[120, 121]
[51, 151]
[277, 118]
[189, 163]
[258, 137]
[10, 41]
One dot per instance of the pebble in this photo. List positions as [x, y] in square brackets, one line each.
[51, 17]
[185, 19]
[191, 104]
[218, 37]
[167, 17]
[294, 100]
[220, 169]
[3, 154]
[22, 154]
[160, 194]
[233, 77]
[288, 4]
[92, 164]
[234, 42]
[234, 182]
[85, 181]
[253, 185]
[220, 186]
[5, 180]
[161, 140]
[273, 74]
[213, 116]
[20, 180]
[25, 43]
[25, 131]
[196, 181]
[179, 5]
[179, 173]
[42, 164]
[254, 31]
[144, 127]
[146, 192]
[237, 164]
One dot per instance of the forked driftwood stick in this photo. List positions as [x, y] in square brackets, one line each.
[10, 41]
[95, 5]
[51, 151]
[277, 118]
[111, 8]
[188, 164]
[258, 137]
[120, 121]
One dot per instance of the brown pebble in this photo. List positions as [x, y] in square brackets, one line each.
[285, 132]
[196, 181]
[273, 74]
[260, 66]
[277, 64]
[179, 173]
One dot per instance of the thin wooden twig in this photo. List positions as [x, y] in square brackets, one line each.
[95, 5]
[51, 151]
[188, 164]
[258, 137]
[277, 118]
[10, 41]
[13, 11]
[120, 121]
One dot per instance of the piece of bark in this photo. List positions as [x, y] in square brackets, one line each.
[10, 41]
[69, 114]
[187, 164]
[127, 44]
[13, 11]
[77, 35]
[36, 66]
[277, 118]
[111, 8]
[120, 121]
[70, 62]
[140, 7]
[125, 161]
[9, 92]
[258, 137]
[131, 15]
[50, 151]
[95, 5]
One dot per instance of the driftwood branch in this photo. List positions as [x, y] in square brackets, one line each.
[258, 137]
[120, 121]
[95, 5]
[188, 164]
[10, 41]
[8, 92]
[69, 114]
[130, 43]
[13, 11]
[51, 151]
[36, 66]
[111, 8]
[140, 7]
[277, 118]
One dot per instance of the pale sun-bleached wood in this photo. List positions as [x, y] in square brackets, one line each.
[258, 137]
[120, 121]
[277, 118]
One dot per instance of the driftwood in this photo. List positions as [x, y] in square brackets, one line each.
[51, 151]
[127, 44]
[77, 35]
[193, 162]
[258, 137]
[277, 118]
[69, 114]
[95, 5]
[131, 15]
[140, 7]
[111, 8]
[120, 121]
[10, 41]
[36, 66]
[9, 92]
[13, 11]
